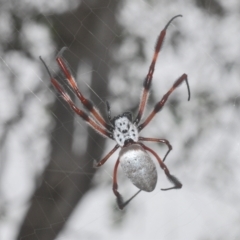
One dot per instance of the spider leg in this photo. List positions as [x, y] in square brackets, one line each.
[73, 84]
[158, 140]
[148, 80]
[101, 162]
[121, 204]
[108, 111]
[78, 111]
[171, 178]
[158, 107]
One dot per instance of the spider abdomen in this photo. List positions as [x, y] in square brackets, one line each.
[138, 167]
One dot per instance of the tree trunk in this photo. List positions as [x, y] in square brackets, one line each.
[60, 190]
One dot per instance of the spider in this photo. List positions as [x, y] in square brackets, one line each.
[124, 129]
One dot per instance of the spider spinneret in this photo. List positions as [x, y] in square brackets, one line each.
[134, 156]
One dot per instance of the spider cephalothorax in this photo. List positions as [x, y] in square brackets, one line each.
[134, 155]
[124, 130]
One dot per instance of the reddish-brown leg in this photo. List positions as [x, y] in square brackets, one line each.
[78, 111]
[101, 162]
[73, 84]
[158, 107]
[158, 140]
[115, 186]
[148, 80]
[121, 204]
[173, 179]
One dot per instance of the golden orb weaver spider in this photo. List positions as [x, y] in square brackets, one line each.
[133, 156]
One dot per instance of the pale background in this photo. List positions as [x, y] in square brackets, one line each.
[204, 133]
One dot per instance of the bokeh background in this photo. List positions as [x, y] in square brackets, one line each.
[48, 186]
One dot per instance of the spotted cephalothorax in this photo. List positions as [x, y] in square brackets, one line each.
[124, 130]
[133, 157]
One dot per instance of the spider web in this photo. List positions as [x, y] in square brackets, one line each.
[204, 132]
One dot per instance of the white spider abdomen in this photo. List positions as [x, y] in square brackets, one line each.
[138, 167]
